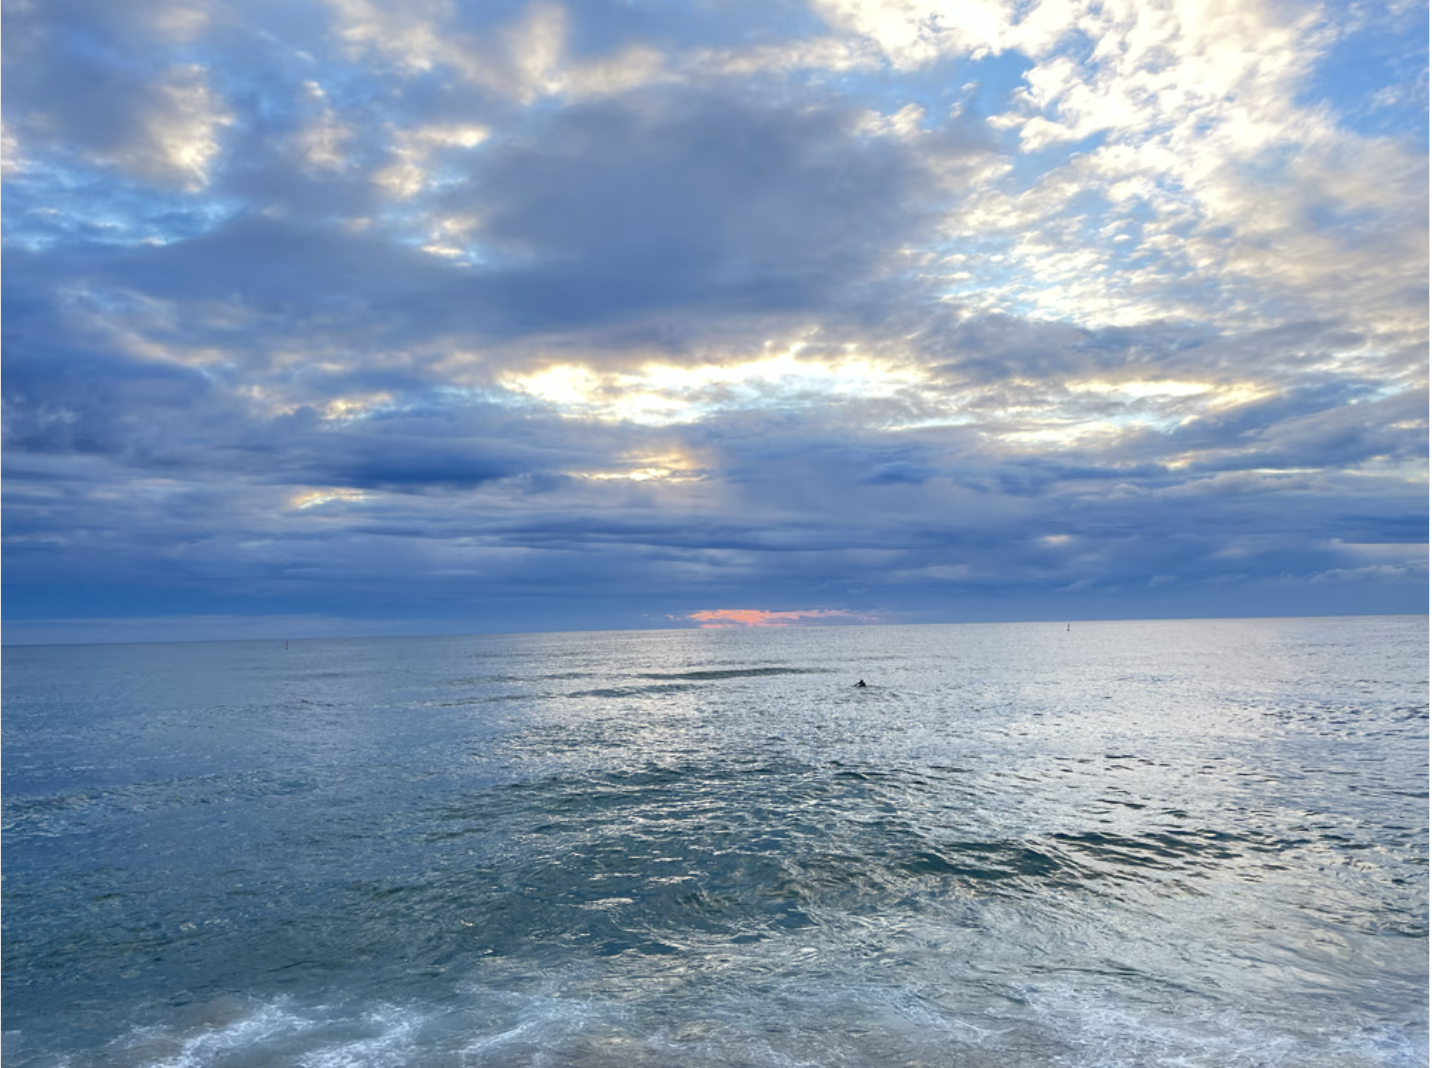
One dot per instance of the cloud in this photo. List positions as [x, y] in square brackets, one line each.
[901, 471]
[1375, 572]
[1183, 143]
[686, 201]
[911, 33]
[91, 90]
[523, 59]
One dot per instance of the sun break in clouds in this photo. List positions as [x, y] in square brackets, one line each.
[757, 617]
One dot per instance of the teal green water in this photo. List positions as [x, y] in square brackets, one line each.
[1193, 843]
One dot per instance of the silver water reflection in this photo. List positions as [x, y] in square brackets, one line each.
[1191, 842]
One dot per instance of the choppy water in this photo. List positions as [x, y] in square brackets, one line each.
[1186, 843]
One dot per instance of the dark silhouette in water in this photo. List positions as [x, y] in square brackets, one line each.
[859, 684]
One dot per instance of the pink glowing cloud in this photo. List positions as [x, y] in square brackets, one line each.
[759, 617]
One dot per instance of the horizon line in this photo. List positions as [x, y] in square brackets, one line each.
[1051, 620]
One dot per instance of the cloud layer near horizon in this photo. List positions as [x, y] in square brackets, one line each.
[532, 316]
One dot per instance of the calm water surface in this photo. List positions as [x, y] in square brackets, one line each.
[1184, 843]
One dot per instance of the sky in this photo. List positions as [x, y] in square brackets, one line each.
[340, 317]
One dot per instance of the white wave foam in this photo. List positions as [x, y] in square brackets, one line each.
[394, 1044]
[824, 1023]
[217, 1032]
[1105, 1033]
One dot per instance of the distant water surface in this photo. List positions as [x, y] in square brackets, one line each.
[1191, 843]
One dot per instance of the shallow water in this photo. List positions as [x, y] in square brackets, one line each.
[1193, 843]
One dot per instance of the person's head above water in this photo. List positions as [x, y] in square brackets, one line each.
[860, 683]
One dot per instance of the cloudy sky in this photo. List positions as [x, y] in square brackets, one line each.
[416, 316]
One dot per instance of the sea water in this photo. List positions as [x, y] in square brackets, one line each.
[1141, 843]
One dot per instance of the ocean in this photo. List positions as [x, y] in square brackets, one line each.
[1138, 843]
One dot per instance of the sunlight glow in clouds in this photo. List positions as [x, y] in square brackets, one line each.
[315, 498]
[758, 617]
[669, 468]
[662, 395]
[1143, 389]
[413, 150]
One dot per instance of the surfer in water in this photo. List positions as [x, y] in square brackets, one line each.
[860, 685]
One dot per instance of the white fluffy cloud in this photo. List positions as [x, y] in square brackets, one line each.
[1204, 186]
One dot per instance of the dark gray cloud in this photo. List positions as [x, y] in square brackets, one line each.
[80, 76]
[656, 202]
